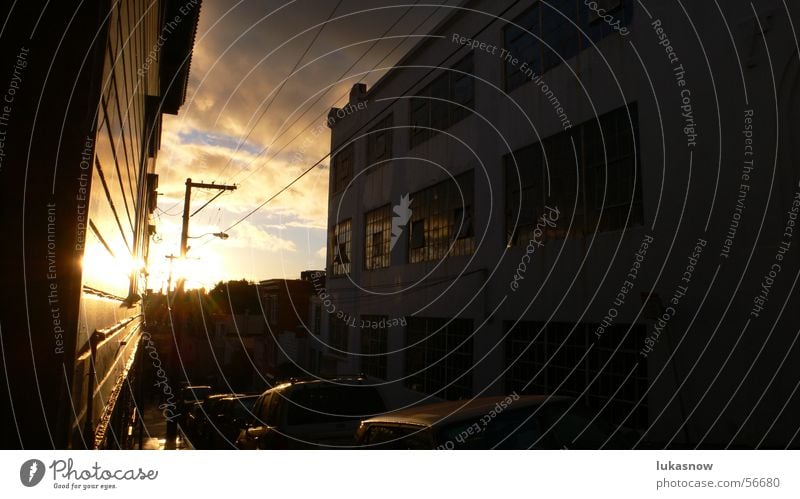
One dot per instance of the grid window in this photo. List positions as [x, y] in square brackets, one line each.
[374, 346]
[377, 237]
[439, 354]
[546, 25]
[379, 145]
[441, 220]
[342, 168]
[557, 363]
[580, 184]
[341, 246]
[440, 104]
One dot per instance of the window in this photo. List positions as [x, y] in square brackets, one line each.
[547, 26]
[342, 168]
[341, 246]
[379, 145]
[374, 346]
[580, 185]
[439, 354]
[441, 220]
[338, 332]
[437, 107]
[547, 363]
[377, 238]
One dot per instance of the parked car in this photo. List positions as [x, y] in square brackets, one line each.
[189, 396]
[230, 416]
[198, 415]
[311, 414]
[531, 421]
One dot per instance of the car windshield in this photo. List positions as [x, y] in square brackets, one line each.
[551, 427]
[328, 403]
[243, 407]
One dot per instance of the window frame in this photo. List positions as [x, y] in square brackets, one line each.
[384, 224]
[427, 103]
[335, 248]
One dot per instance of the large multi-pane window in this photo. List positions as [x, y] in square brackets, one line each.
[377, 237]
[441, 221]
[342, 168]
[603, 185]
[341, 248]
[379, 145]
[559, 363]
[439, 356]
[443, 102]
[546, 25]
[373, 345]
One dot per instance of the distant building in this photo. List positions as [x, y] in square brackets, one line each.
[286, 309]
[85, 88]
[473, 250]
[243, 352]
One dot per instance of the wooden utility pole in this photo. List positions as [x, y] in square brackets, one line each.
[187, 201]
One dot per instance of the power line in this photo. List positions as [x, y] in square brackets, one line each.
[275, 95]
[341, 77]
[370, 121]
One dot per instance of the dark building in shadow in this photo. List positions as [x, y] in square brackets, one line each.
[85, 85]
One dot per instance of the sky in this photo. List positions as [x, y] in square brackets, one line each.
[243, 123]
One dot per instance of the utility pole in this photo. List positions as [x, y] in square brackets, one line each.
[171, 259]
[187, 201]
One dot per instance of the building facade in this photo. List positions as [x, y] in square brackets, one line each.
[90, 83]
[546, 198]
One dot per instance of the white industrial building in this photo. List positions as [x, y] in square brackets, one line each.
[540, 198]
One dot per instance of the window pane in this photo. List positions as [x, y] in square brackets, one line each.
[377, 238]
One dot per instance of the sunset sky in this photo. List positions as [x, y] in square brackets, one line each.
[243, 51]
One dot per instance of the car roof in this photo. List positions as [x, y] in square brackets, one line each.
[354, 381]
[458, 410]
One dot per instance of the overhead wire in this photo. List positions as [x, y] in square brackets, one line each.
[366, 123]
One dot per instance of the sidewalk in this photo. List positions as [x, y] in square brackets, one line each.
[154, 433]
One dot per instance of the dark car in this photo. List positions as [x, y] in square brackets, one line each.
[189, 396]
[511, 422]
[230, 416]
[197, 416]
[311, 414]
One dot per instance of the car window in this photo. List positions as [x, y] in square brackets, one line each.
[263, 410]
[398, 437]
[312, 406]
[317, 404]
[242, 408]
[508, 430]
[360, 401]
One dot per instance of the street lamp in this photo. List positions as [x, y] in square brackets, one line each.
[221, 235]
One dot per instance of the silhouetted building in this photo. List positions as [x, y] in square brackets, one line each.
[86, 84]
[286, 312]
[553, 201]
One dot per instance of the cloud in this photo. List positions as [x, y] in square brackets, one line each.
[247, 235]
[231, 130]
